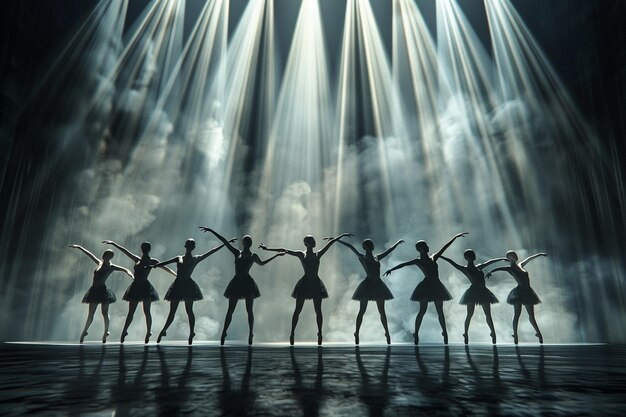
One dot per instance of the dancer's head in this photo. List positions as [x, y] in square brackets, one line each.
[421, 246]
[469, 255]
[145, 248]
[107, 255]
[368, 244]
[511, 256]
[190, 244]
[309, 241]
[246, 241]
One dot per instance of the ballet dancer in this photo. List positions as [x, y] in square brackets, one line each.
[140, 290]
[242, 286]
[430, 289]
[477, 293]
[184, 288]
[310, 286]
[99, 293]
[372, 288]
[523, 294]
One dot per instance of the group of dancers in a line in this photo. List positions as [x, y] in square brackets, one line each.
[309, 287]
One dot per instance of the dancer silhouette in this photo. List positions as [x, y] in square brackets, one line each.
[184, 288]
[140, 290]
[99, 293]
[477, 293]
[372, 288]
[242, 286]
[430, 289]
[523, 294]
[310, 286]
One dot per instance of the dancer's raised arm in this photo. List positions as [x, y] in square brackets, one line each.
[226, 242]
[296, 253]
[489, 262]
[443, 249]
[352, 248]
[86, 252]
[391, 249]
[122, 249]
[212, 251]
[454, 264]
[402, 265]
[331, 240]
[530, 258]
[122, 269]
[258, 260]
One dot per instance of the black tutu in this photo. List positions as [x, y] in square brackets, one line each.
[99, 295]
[372, 289]
[430, 290]
[309, 288]
[478, 295]
[184, 289]
[522, 295]
[140, 291]
[241, 288]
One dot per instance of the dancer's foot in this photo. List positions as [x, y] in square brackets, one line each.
[319, 339]
[124, 334]
[493, 338]
[514, 338]
[291, 339]
[445, 337]
[147, 339]
[465, 338]
[161, 335]
[416, 339]
[540, 337]
[388, 337]
[222, 338]
[104, 337]
[191, 336]
[356, 338]
[82, 337]
[250, 336]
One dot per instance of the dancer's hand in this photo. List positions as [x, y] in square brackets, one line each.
[346, 235]
[281, 253]
[387, 272]
[233, 240]
[205, 229]
[107, 242]
[401, 241]
[462, 234]
[488, 276]
[74, 246]
[262, 246]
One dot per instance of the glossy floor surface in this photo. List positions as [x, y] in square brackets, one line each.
[173, 379]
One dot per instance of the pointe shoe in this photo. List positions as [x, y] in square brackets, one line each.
[124, 334]
[82, 337]
[104, 337]
[250, 336]
[416, 339]
[514, 338]
[445, 338]
[356, 338]
[161, 335]
[147, 339]
[465, 338]
[493, 338]
[388, 337]
[540, 337]
[291, 339]
[319, 339]
[223, 339]
[191, 336]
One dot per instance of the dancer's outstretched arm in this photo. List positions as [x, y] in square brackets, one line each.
[165, 268]
[258, 260]
[331, 240]
[296, 253]
[489, 262]
[391, 249]
[86, 252]
[226, 242]
[443, 249]
[205, 255]
[162, 264]
[530, 258]
[454, 264]
[352, 248]
[122, 249]
[502, 268]
[122, 269]
[402, 265]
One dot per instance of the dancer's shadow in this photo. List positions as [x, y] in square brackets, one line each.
[374, 394]
[236, 402]
[82, 392]
[434, 386]
[124, 393]
[310, 398]
[172, 399]
[488, 390]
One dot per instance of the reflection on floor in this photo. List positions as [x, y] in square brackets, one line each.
[333, 380]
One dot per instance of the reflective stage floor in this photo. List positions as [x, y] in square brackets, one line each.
[338, 380]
